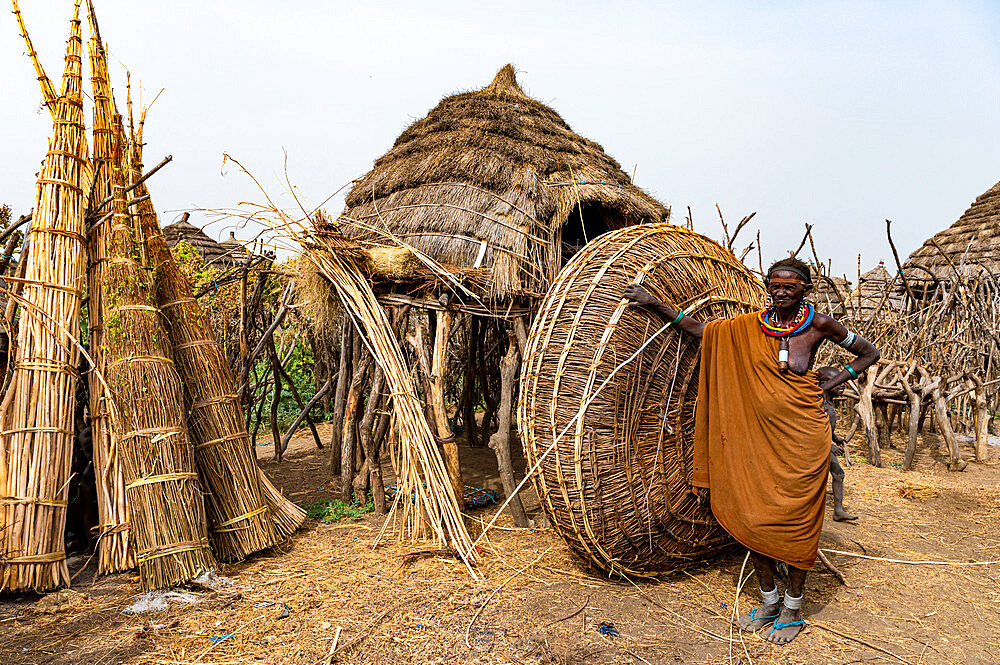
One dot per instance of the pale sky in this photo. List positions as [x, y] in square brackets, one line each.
[839, 114]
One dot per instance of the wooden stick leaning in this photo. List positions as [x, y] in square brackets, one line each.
[37, 420]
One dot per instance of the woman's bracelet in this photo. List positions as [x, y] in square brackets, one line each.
[850, 370]
[680, 315]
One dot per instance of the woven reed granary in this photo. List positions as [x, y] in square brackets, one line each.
[878, 294]
[496, 188]
[616, 484]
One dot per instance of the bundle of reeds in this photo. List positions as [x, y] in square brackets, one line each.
[114, 551]
[247, 513]
[38, 411]
[429, 508]
[166, 507]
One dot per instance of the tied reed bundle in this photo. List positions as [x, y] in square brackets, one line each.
[247, 513]
[166, 508]
[613, 438]
[429, 508]
[114, 551]
[433, 512]
[38, 411]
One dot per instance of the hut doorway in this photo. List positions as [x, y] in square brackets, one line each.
[587, 221]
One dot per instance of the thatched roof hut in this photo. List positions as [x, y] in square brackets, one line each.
[972, 244]
[184, 231]
[233, 251]
[497, 180]
[222, 255]
[878, 295]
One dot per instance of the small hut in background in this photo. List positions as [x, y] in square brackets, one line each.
[496, 189]
[969, 247]
[879, 296]
[227, 254]
[233, 252]
[185, 231]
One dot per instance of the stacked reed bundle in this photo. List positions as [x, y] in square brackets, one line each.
[114, 552]
[167, 511]
[429, 508]
[246, 511]
[608, 396]
[38, 411]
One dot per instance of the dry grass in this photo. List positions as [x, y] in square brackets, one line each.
[912, 489]
[537, 604]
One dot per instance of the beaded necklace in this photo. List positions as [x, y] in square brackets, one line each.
[803, 319]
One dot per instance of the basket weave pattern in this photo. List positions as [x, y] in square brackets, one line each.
[616, 485]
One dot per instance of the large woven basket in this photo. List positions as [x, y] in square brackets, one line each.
[616, 484]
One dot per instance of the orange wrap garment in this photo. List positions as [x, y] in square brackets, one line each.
[761, 444]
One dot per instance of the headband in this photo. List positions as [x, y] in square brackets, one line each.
[798, 271]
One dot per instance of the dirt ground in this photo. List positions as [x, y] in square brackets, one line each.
[536, 603]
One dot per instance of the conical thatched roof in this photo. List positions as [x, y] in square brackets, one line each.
[234, 253]
[878, 292]
[972, 243]
[183, 230]
[489, 178]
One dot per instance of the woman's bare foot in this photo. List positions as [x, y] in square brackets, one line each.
[759, 617]
[786, 627]
[841, 515]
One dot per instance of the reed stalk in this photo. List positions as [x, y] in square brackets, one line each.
[163, 492]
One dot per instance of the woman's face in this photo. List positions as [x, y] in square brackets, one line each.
[786, 288]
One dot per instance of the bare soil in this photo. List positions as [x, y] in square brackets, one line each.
[536, 603]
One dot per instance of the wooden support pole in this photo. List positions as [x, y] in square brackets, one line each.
[955, 461]
[468, 401]
[866, 411]
[366, 434]
[490, 399]
[343, 372]
[500, 441]
[347, 450]
[439, 365]
[914, 423]
[275, 399]
[982, 420]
